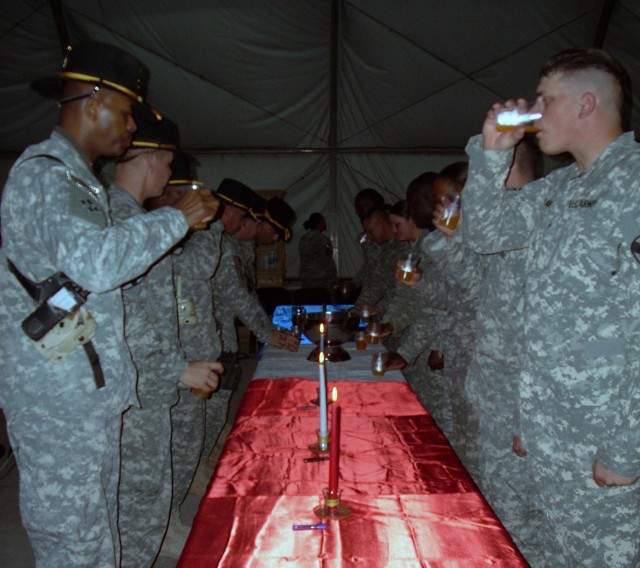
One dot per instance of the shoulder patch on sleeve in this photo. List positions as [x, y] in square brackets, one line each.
[83, 201]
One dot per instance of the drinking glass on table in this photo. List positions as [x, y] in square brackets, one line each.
[377, 365]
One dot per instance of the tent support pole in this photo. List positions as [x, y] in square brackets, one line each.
[603, 23]
[61, 24]
[333, 125]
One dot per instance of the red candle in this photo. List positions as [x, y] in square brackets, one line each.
[334, 444]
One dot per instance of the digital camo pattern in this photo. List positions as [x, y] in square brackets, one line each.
[55, 218]
[370, 252]
[492, 385]
[579, 381]
[378, 283]
[234, 299]
[248, 258]
[151, 331]
[195, 262]
[459, 267]
[317, 267]
[418, 323]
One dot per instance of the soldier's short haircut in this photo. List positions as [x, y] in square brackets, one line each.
[592, 59]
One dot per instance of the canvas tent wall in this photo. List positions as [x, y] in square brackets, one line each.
[317, 97]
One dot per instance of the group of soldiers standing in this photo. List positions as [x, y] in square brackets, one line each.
[120, 295]
[519, 329]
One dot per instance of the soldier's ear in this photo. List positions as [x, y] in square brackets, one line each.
[91, 108]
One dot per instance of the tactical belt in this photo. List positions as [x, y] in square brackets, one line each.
[33, 290]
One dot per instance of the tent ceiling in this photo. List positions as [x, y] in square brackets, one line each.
[248, 74]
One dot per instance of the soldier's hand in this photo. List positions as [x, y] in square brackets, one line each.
[412, 279]
[437, 215]
[203, 375]
[385, 330]
[393, 361]
[496, 140]
[277, 339]
[605, 478]
[517, 448]
[292, 342]
[198, 207]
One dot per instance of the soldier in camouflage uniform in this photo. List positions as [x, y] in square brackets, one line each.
[379, 284]
[492, 384]
[580, 366]
[459, 271]
[64, 425]
[194, 261]
[317, 267]
[151, 331]
[365, 201]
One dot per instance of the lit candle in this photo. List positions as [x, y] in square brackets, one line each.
[322, 395]
[334, 444]
[321, 346]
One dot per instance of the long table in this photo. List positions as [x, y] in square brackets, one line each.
[413, 502]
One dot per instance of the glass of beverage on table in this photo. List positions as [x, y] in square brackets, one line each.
[377, 365]
[361, 340]
[373, 333]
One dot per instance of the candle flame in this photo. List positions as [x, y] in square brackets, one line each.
[322, 328]
[334, 394]
[321, 358]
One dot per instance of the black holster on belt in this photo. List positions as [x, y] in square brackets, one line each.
[47, 316]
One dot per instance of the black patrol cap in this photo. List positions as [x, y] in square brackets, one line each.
[183, 170]
[236, 193]
[100, 64]
[280, 216]
[257, 207]
[154, 130]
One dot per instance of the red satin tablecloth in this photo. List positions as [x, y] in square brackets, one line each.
[413, 502]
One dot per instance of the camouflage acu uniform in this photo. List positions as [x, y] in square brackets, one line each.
[317, 267]
[579, 385]
[194, 263]
[492, 385]
[151, 331]
[248, 258]
[420, 317]
[233, 299]
[64, 431]
[379, 282]
[370, 251]
[459, 266]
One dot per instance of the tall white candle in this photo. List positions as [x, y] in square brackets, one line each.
[324, 431]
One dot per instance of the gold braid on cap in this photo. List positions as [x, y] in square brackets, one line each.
[232, 202]
[73, 76]
[185, 182]
[154, 145]
[285, 230]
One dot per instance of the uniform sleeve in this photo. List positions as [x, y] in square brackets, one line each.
[420, 337]
[456, 262]
[199, 256]
[494, 219]
[240, 303]
[98, 257]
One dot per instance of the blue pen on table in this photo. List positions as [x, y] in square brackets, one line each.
[317, 526]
